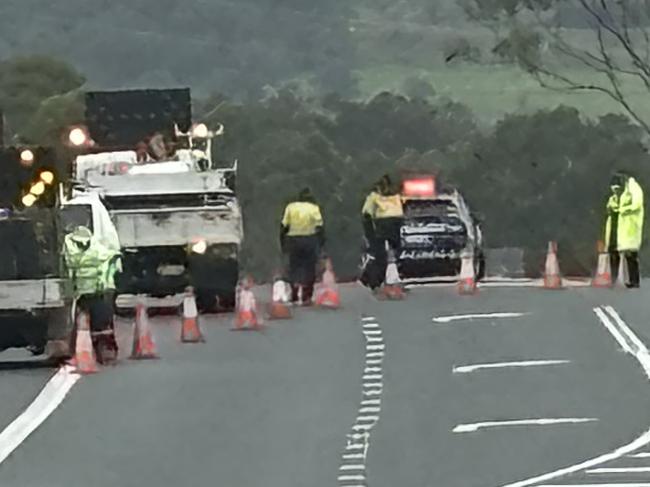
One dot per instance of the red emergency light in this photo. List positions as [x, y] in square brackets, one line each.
[419, 187]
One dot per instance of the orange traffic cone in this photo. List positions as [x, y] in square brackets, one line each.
[84, 359]
[247, 315]
[467, 282]
[392, 288]
[552, 277]
[143, 344]
[190, 331]
[603, 277]
[280, 298]
[327, 293]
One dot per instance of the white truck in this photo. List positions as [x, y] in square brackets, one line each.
[178, 221]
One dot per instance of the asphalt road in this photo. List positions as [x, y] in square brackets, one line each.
[376, 393]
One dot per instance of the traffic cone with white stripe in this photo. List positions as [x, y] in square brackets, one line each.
[552, 277]
[603, 277]
[392, 288]
[247, 316]
[190, 331]
[143, 345]
[84, 360]
[467, 281]
[327, 293]
[280, 299]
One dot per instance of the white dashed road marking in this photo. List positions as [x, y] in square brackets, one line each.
[502, 365]
[368, 413]
[471, 427]
[476, 316]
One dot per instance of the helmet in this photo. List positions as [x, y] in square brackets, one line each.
[81, 235]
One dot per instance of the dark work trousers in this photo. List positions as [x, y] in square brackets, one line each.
[303, 255]
[387, 230]
[632, 259]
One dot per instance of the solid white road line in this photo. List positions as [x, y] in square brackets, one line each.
[640, 442]
[613, 330]
[471, 427]
[640, 455]
[625, 336]
[626, 330]
[498, 365]
[447, 319]
[631, 484]
[38, 411]
[619, 470]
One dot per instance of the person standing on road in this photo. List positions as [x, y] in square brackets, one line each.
[624, 227]
[91, 267]
[302, 236]
[382, 215]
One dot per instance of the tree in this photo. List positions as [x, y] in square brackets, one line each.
[26, 82]
[615, 55]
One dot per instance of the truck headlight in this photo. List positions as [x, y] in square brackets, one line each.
[199, 247]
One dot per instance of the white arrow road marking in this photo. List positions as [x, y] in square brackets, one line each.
[38, 411]
[471, 427]
[476, 316]
[498, 365]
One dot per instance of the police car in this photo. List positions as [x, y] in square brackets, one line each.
[437, 228]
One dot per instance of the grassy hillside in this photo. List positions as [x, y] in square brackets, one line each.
[492, 91]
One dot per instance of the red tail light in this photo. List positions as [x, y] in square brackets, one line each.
[419, 187]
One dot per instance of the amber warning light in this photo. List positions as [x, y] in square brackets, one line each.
[420, 187]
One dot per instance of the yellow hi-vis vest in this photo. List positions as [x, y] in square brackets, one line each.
[302, 219]
[379, 206]
[629, 207]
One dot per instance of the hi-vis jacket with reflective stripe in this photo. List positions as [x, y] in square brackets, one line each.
[629, 207]
[92, 270]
